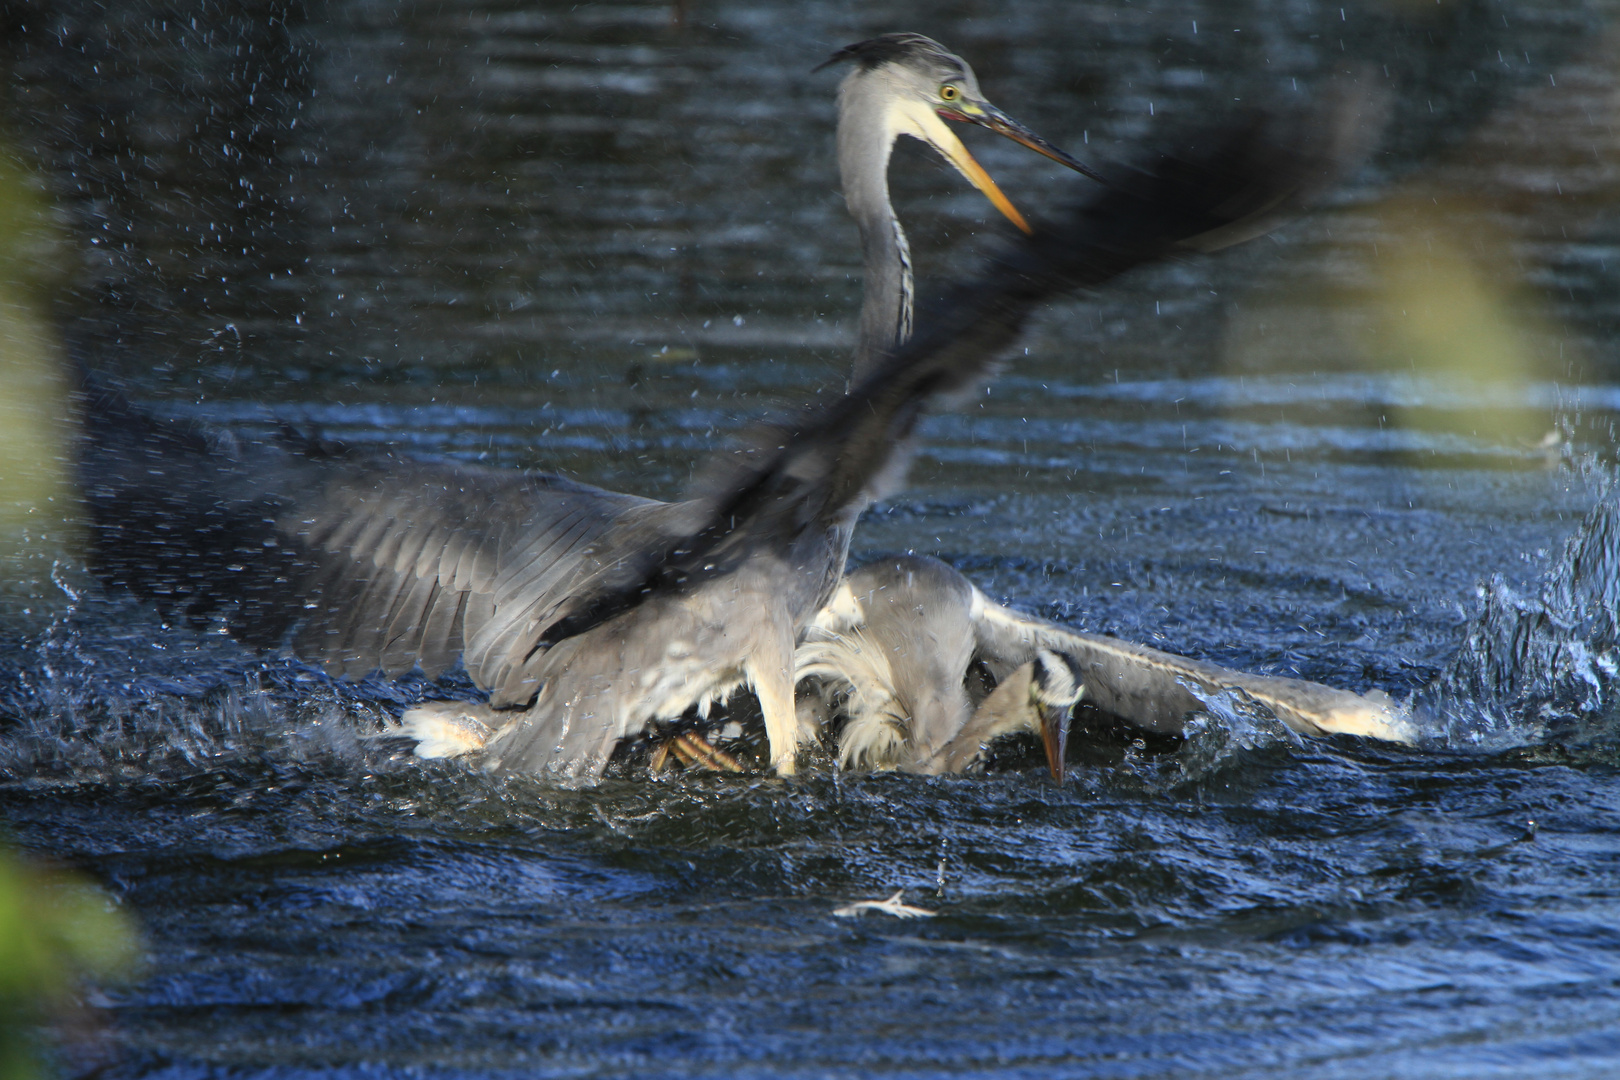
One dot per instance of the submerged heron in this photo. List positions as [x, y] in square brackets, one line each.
[895, 649]
[589, 615]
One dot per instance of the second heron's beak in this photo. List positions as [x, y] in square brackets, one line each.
[1055, 737]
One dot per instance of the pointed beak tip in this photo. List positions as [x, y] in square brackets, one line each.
[1055, 739]
[1059, 771]
[1002, 124]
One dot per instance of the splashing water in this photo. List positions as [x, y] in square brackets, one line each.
[1541, 669]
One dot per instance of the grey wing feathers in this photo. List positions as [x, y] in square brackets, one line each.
[562, 569]
[568, 738]
[421, 563]
[605, 685]
[1154, 689]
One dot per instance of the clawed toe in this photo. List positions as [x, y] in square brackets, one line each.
[693, 751]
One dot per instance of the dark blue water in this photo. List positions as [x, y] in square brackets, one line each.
[601, 239]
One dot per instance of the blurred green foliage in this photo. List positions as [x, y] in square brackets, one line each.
[38, 502]
[56, 930]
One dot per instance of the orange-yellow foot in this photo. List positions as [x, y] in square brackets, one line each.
[693, 751]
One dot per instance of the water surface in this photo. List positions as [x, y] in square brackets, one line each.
[601, 239]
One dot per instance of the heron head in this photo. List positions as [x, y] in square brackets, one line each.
[914, 84]
[1055, 688]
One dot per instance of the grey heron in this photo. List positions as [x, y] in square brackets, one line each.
[904, 84]
[387, 564]
[893, 648]
[590, 615]
[764, 542]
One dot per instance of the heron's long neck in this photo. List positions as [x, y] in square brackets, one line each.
[865, 138]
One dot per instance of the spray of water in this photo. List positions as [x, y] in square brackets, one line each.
[1541, 668]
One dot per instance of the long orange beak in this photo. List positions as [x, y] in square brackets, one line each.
[988, 116]
[958, 155]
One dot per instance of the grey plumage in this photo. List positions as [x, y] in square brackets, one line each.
[902, 84]
[775, 517]
[599, 613]
[892, 650]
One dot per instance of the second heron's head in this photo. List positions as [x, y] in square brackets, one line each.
[908, 84]
[1055, 688]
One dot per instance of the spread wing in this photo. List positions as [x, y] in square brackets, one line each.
[1217, 189]
[1157, 690]
[379, 564]
[421, 563]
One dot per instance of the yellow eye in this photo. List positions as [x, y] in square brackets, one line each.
[949, 92]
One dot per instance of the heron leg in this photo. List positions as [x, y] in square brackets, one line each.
[770, 672]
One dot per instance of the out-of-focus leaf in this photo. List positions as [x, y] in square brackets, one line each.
[56, 931]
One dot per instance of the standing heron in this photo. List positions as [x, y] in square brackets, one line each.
[590, 616]
[904, 84]
[389, 564]
[686, 616]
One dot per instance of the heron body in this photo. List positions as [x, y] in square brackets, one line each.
[589, 615]
[893, 655]
[538, 584]
[894, 651]
[804, 480]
